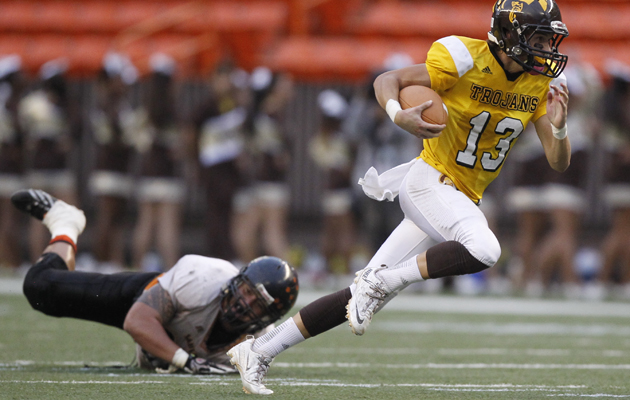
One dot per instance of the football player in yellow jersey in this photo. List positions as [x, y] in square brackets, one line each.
[492, 89]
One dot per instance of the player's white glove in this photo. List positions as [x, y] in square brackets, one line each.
[195, 365]
[201, 366]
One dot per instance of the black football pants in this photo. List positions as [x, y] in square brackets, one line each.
[55, 291]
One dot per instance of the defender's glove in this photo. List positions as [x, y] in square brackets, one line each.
[201, 366]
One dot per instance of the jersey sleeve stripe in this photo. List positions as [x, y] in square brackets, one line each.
[459, 52]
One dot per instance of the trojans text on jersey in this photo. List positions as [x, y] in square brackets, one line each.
[509, 100]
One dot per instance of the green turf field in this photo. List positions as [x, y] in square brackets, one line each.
[423, 347]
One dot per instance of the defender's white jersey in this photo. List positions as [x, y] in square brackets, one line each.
[194, 284]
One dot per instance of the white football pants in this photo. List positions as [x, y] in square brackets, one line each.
[436, 212]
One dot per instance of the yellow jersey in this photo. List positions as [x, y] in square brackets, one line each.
[486, 111]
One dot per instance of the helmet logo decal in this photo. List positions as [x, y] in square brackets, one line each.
[264, 293]
[517, 7]
[543, 3]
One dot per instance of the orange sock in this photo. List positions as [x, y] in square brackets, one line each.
[65, 239]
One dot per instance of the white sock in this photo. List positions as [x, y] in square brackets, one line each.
[401, 274]
[64, 219]
[279, 339]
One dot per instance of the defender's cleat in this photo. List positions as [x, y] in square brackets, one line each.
[34, 202]
[252, 366]
[369, 294]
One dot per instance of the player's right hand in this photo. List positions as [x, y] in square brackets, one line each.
[201, 366]
[411, 121]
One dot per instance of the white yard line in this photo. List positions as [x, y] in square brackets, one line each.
[493, 328]
[22, 363]
[11, 286]
[456, 366]
[549, 390]
[467, 352]
[494, 305]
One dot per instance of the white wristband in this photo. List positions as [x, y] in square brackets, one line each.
[180, 358]
[392, 107]
[559, 133]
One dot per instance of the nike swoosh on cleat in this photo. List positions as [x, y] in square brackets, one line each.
[356, 311]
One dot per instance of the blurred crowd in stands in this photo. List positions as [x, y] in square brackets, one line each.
[133, 158]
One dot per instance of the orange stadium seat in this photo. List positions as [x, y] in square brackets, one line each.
[347, 59]
[13, 44]
[87, 52]
[43, 48]
[428, 19]
[83, 53]
[593, 21]
[433, 20]
[56, 16]
[141, 50]
[97, 16]
[237, 16]
[598, 53]
[133, 12]
[350, 39]
[17, 16]
[248, 29]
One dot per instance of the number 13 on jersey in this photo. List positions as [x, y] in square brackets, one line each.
[507, 126]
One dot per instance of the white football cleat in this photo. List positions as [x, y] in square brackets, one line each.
[252, 366]
[369, 294]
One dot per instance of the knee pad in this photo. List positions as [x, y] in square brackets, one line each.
[484, 246]
[452, 258]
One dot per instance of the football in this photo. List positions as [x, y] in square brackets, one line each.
[412, 96]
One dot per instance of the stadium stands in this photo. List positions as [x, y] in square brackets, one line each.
[313, 39]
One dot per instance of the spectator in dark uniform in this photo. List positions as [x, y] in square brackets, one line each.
[334, 154]
[262, 208]
[51, 123]
[616, 119]
[12, 85]
[160, 188]
[550, 205]
[217, 137]
[114, 130]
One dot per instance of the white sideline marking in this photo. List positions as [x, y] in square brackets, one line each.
[493, 305]
[11, 286]
[611, 396]
[457, 366]
[468, 352]
[360, 365]
[214, 381]
[316, 382]
[88, 382]
[453, 304]
[493, 328]
[225, 381]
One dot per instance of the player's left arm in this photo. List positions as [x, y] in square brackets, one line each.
[144, 322]
[551, 128]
